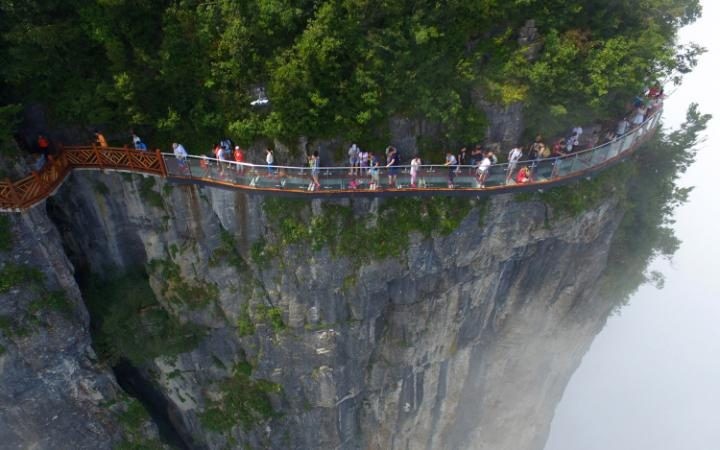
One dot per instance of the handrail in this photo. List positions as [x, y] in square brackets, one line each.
[335, 180]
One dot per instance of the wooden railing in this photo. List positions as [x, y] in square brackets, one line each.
[26, 192]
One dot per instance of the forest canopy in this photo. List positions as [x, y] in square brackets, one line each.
[188, 70]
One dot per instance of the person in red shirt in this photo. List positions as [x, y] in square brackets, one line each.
[43, 145]
[523, 176]
[239, 156]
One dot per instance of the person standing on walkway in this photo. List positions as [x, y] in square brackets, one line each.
[482, 169]
[451, 163]
[392, 165]
[269, 160]
[205, 166]
[462, 158]
[137, 142]
[364, 161]
[622, 127]
[314, 162]
[220, 155]
[415, 164]
[43, 145]
[181, 155]
[513, 158]
[239, 156]
[100, 139]
[354, 159]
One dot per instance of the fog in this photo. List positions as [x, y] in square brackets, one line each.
[651, 379]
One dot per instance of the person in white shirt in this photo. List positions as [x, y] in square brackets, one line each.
[354, 158]
[482, 170]
[577, 131]
[414, 169]
[181, 156]
[220, 155]
[639, 116]
[513, 158]
[180, 152]
[364, 160]
[270, 160]
[451, 162]
[622, 127]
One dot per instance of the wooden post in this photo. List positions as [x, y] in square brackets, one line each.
[97, 155]
[129, 158]
[161, 161]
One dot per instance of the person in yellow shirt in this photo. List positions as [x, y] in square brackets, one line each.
[100, 139]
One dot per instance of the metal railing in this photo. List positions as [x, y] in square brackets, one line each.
[29, 191]
[346, 180]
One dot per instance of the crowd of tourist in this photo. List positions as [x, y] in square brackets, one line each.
[226, 158]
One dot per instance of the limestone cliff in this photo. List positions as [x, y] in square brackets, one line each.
[462, 338]
[53, 392]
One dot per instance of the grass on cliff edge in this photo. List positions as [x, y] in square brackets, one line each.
[129, 323]
[383, 235]
[581, 196]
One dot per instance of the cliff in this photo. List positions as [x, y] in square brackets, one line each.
[53, 391]
[366, 324]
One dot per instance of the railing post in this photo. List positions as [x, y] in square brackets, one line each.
[97, 155]
[62, 159]
[129, 157]
[161, 160]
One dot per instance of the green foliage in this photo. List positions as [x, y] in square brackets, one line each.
[271, 315]
[148, 193]
[227, 251]
[133, 418]
[583, 195]
[6, 236]
[653, 195]
[134, 415]
[261, 253]
[129, 323]
[31, 280]
[244, 401]
[245, 324]
[193, 293]
[54, 300]
[9, 121]
[346, 235]
[13, 327]
[185, 71]
[13, 275]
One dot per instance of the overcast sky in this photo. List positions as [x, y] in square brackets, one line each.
[651, 379]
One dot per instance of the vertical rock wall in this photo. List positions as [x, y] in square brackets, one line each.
[465, 341]
[53, 392]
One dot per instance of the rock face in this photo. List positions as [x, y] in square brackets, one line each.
[465, 340]
[53, 394]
